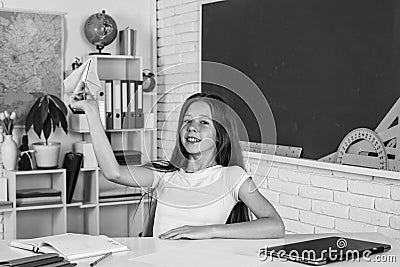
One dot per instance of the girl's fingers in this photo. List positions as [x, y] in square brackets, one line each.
[168, 234]
[177, 236]
[177, 233]
[171, 233]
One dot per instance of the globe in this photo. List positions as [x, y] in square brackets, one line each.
[100, 30]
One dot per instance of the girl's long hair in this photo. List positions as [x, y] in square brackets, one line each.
[228, 149]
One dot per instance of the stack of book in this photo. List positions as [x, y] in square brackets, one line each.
[120, 194]
[128, 157]
[38, 196]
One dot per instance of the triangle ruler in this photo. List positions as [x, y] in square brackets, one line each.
[377, 148]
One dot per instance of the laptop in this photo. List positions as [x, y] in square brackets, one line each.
[324, 250]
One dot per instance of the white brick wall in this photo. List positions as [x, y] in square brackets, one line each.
[177, 43]
[369, 188]
[330, 208]
[339, 202]
[355, 200]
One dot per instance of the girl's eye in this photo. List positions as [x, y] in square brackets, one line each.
[204, 122]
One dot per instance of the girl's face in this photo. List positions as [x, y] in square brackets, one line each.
[198, 133]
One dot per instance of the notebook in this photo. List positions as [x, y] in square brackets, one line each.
[71, 246]
[324, 250]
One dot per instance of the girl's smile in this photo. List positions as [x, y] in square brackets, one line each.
[198, 132]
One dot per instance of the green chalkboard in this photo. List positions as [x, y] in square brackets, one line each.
[326, 67]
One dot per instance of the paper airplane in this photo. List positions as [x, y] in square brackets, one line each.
[86, 75]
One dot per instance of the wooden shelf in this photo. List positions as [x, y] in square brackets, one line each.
[88, 205]
[89, 169]
[36, 172]
[118, 203]
[117, 57]
[40, 207]
[75, 204]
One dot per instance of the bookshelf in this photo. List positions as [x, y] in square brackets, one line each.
[86, 214]
[144, 139]
[31, 220]
[94, 216]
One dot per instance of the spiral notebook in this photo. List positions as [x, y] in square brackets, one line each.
[71, 246]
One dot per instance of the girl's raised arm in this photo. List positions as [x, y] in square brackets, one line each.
[132, 176]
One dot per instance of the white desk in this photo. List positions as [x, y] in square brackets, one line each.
[146, 252]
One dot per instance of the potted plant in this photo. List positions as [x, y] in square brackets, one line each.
[46, 114]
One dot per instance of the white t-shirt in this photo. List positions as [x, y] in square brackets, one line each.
[200, 198]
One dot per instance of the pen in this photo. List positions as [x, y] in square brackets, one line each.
[100, 259]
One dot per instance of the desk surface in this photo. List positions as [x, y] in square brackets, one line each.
[146, 252]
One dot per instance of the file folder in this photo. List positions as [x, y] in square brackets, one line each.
[139, 121]
[124, 105]
[101, 102]
[116, 104]
[132, 105]
[109, 104]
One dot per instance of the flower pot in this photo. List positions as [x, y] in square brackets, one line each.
[47, 155]
[9, 153]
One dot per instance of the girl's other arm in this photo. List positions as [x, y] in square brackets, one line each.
[130, 176]
[268, 224]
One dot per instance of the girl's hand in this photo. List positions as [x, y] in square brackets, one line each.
[188, 232]
[81, 100]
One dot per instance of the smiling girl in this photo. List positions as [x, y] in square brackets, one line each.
[204, 192]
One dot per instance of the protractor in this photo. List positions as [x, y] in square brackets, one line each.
[363, 142]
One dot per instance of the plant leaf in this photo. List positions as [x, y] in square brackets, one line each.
[63, 121]
[37, 122]
[44, 109]
[47, 127]
[31, 115]
[54, 115]
[59, 104]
